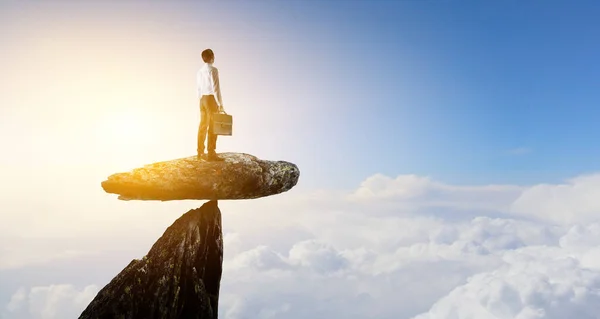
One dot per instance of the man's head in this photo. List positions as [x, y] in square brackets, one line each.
[208, 56]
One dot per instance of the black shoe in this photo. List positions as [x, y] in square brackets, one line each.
[201, 156]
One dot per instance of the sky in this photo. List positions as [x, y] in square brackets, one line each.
[447, 152]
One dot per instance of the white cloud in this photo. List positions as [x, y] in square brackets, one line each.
[260, 258]
[393, 248]
[319, 256]
[411, 192]
[22, 252]
[533, 282]
[50, 302]
[17, 300]
[576, 201]
[412, 259]
[495, 267]
[402, 187]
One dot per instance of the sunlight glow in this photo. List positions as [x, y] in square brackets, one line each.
[125, 127]
[127, 133]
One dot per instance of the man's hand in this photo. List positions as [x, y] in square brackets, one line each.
[221, 109]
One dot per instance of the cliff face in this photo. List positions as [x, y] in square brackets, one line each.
[178, 278]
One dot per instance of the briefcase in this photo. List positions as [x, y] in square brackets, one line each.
[222, 124]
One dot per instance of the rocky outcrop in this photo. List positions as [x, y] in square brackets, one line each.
[181, 274]
[238, 176]
[178, 278]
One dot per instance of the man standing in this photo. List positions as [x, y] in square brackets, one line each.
[209, 93]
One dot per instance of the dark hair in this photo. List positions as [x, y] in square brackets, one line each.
[207, 55]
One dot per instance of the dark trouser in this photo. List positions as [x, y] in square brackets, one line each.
[208, 106]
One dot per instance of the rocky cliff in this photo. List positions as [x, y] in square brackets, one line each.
[178, 278]
[181, 274]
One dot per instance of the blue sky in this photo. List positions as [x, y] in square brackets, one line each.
[457, 85]
[465, 91]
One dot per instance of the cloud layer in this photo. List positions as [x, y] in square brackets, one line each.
[49, 302]
[404, 247]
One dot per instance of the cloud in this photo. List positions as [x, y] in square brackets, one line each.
[576, 201]
[18, 299]
[50, 302]
[402, 247]
[25, 252]
[259, 258]
[402, 187]
[533, 282]
[410, 193]
[387, 252]
[481, 268]
[319, 256]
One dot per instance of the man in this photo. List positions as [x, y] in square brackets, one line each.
[209, 93]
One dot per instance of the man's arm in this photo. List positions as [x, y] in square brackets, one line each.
[217, 87]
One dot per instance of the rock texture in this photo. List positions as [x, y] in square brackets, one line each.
[178, 278]
[238, 176]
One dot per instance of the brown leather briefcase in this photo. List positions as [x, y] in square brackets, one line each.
[222, 124]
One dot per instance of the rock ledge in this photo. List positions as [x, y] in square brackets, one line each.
[238, 176]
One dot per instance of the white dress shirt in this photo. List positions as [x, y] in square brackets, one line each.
[207, 80]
